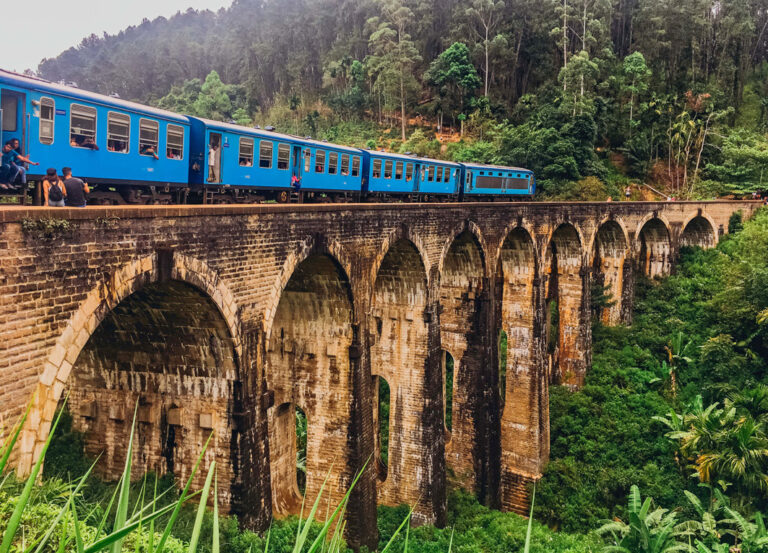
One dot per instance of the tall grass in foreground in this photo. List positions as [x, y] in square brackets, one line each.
[134, 519]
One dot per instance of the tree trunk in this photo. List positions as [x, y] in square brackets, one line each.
[565, 41]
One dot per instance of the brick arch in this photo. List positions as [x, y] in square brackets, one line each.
[527, 235]
[98, 303]
[608, 221]
[574, 249]
[308, 364]
[644, 221]
[472, 228]
[310, 245]
[609, 252]
[690, 236]
[462, 289]
[653, 246]
[403, 232]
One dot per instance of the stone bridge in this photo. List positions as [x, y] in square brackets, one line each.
[226, 320]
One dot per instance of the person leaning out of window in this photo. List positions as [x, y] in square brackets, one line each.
[53, 189]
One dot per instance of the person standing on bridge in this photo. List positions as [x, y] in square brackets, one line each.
[53, 189]
[76, 189]
[627, 192]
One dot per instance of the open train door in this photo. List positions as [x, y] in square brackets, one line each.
[12, 104]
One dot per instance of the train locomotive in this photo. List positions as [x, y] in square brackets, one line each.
[135, 154]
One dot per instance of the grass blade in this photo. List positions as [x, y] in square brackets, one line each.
[530, 523]
[182, 499]
[15, 520]
[12, 439]
[215, 545]
[119, 535]
[78, 536]
[121, 516]
[201, 510]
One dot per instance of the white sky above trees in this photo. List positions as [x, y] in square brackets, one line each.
[40, 29]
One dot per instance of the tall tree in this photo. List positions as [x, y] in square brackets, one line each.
[487, 15]
[394, 55]
[454, 77]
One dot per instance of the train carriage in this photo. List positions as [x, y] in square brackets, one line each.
[122, 148]
[270, 165]
[396, 175]
[494, 181]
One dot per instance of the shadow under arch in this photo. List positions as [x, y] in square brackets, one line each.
[167, 348]
[465, 316]
[610, 270]
[98, 303]
[568, 329]
[699, 231]
[309, 365]
[654, 247]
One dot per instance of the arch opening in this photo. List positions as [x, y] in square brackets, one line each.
[167, 348]
[381, 408]
[308, 367]
[655, 249]
[465, 371]
[608, 268]
[399, 355]
[698, 232]
[567, 338]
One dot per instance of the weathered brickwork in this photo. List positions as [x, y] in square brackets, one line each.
[226, 319]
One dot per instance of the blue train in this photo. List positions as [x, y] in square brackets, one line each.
[131, 153]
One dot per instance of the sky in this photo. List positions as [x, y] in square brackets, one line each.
[45, 28]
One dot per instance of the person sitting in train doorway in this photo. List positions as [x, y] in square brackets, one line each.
[53, 189]
[75, 189]
[213, 166]
[296, 182]
[14, 162]
[16, 145]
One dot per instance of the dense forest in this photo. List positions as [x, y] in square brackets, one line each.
[590, 94]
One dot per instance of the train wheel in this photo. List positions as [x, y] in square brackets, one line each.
[283, 197]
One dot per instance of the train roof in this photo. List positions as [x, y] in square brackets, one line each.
[496, 167]
[262, 133]
[412, 158]
[42, 85]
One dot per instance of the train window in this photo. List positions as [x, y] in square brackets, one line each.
[423, 173]
[376, 169]
[399, 170]
[82, 126]
[345, 164]
[47, 112]
[388, 170]
[10, 106]
[307, 160]
[283, 156]
[174, 143]
[149, 133]
[439, 174]
[333, 163]
[246, 152]
[265, 154]
[431, 173]
[320, 161]
[469, 177]
[447, 175]
[355, 166]
[118, 132]
[409, 172]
